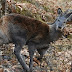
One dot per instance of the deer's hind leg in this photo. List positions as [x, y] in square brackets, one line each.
[19, 42]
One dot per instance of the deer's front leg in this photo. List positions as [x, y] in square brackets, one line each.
[31, 48]
[41, 51]
[19, 57]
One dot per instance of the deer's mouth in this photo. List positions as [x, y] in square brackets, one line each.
[59, 29]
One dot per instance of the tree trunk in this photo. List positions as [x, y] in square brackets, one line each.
[3, 6]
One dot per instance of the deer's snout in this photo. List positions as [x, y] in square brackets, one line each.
[59, 27]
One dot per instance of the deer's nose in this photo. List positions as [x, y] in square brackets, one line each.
[59, 27]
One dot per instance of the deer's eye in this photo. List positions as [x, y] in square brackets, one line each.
[67, 20]
[59, 20]
[64, 22]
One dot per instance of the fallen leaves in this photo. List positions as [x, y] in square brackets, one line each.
[59, 55]
[1, 70]
[37, 61]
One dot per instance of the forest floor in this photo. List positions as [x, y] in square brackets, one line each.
[58, 57]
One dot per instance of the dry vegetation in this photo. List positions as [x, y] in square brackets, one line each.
[58, 57]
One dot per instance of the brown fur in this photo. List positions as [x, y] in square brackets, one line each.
[31, 25]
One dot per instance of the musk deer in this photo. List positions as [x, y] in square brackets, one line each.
[22, 30]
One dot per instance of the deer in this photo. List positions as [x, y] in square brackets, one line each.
[22, 30]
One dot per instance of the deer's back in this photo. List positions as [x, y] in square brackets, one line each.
[26, 27]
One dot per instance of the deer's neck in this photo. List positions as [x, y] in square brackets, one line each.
[53, 33]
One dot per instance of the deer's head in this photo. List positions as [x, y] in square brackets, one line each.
[61, 20]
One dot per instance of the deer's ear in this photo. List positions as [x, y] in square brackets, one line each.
[69, 19]
[68, 15]
[59, 11]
